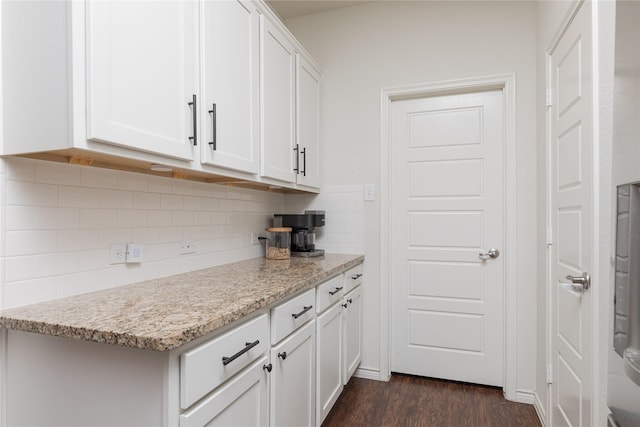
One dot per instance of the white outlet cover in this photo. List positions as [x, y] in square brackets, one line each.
[134, 253]
[118, 253]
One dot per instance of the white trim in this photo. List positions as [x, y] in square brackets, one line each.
[539, 407]
[507, 83]
[369, 374]
[527, 397]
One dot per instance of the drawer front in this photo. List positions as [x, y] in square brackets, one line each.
[329, 293]
[204, 368]
[353, 278]
[294, 313]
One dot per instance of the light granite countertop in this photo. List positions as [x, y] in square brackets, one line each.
[163, 314]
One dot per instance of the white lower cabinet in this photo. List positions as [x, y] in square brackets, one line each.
[329, 360]
[242, 401]
[352, 332]
[283, 367]
[293, 379]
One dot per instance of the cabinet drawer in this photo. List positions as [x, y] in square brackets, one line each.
[289, 316]
[203, 368]
[329, 293]
[352, 278]
[242, 401]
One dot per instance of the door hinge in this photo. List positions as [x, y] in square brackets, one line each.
[549, 97]
[549, 235]
[549, 374]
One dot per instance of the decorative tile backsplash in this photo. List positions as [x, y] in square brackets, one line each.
[58, 222]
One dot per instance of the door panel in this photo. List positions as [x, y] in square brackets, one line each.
[447, 208]
[571, 218]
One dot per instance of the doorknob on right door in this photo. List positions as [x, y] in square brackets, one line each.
[491, 253]
[584, 280]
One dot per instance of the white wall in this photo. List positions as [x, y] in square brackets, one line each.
[365, 48]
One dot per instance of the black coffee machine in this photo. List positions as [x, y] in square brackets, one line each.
[303, 233]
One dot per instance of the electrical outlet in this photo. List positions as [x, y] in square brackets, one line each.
[118, 253]
[255, 238]
[187, 247]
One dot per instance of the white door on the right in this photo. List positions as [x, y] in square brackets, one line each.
[571, 218]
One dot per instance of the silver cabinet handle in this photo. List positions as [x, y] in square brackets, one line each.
[491, 253]
[583, 282]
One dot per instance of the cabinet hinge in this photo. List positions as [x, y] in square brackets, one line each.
[549, 97]
[549, 374]
[549, 235]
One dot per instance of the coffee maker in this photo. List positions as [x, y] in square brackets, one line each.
[303, 233]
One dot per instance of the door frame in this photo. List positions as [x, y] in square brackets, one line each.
[506, 83]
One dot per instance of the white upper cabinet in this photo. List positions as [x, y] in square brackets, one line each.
[141, 75]
[308, 121]
[278, 72]
[216, 89]
[229, 48]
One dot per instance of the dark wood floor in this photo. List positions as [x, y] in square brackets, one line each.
[415, 401]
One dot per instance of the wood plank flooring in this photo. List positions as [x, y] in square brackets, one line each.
[416, 401]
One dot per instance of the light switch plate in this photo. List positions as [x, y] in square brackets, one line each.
[369, 192]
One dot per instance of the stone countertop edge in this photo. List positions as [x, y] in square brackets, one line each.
[165, 313]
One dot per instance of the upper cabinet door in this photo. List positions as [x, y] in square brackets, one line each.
[141, 74]
[230, 39]
[308, 119]
[278, 105]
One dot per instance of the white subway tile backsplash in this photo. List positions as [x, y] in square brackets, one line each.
[98, 178]
[157, 218]
[29, 291]
[77, 240]
[76, 283]
[31, 194]
[129, 218]
[29, 242]
[60, 220]
[57, 173]
[77, 197]
[115, 199]
[171, 202]
[147, 201]
[55, 264]
[40, 218]
[98, 218]
[18, 268]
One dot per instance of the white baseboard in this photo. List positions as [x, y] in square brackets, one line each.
[539, 407]
[525, 397]
[368, 374]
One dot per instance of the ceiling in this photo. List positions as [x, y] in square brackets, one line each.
[291, 8]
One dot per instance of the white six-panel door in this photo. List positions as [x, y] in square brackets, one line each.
[448, 208]
[571, 218]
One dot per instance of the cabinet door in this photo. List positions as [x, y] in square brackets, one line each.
[308, 120]
[329, 382]
[293, 382]
[278, 104]
[141, 68]
[242, 401]
[229, 46]
[352, 333]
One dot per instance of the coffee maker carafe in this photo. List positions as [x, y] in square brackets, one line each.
[303, 233]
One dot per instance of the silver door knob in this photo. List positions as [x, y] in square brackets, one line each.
[491, 253]
[584, 280]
